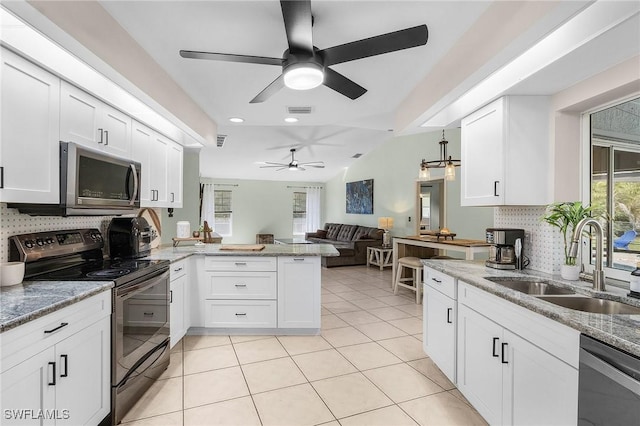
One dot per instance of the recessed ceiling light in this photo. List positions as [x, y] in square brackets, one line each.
[236, 120]
[291, 120]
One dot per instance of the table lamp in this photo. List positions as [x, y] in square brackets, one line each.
[385, 223]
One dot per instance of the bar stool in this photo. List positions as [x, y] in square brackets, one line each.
[415, 265]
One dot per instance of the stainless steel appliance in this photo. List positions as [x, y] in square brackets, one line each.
[92, 183]
[609, 385]
[140, 311]
[506, 249]
[129, 237]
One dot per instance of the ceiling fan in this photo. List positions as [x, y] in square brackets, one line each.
[294, 164]
[304, 66]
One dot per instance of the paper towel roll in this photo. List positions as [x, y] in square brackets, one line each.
[183, 229]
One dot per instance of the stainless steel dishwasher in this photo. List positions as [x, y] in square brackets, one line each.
[609, 385]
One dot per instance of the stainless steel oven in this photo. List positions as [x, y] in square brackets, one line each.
[92, 183]
[140, 345]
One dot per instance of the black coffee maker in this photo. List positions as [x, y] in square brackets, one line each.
[506, 250]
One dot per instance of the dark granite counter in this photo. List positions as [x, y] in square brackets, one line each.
[30, 300]
[621, 331]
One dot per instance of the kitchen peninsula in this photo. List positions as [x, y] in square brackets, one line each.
[273, 290]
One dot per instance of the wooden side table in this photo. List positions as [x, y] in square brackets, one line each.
[380, 256]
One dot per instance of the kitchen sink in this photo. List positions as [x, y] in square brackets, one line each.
[591, 304]
[531, 286]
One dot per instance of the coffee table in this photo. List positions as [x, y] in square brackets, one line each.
[300, 240]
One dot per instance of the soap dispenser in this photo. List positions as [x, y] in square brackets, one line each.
[634, 283]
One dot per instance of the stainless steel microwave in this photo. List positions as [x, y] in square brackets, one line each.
[92, 183]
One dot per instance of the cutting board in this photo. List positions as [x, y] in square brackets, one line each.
[243, 247]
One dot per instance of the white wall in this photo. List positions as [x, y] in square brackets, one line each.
[394, 169]
[261, 207]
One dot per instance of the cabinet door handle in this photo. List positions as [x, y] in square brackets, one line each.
[495, 188]
[436, 280]
[106, 137]
[62, 324]
[1, 177]
[173, 198]
[64, 358]
[495, 340]
[241, 285]
[101, 135]
[53, 383]
[241, 314]
[504, 345]
[449, 310]
[170, 296]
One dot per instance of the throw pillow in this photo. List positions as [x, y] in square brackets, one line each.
[321, 233]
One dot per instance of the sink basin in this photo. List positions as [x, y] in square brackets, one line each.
[533, 286]
[589, 304]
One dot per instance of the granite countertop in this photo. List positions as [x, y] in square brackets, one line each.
[621, 331]
[174, 254]
[30, 300]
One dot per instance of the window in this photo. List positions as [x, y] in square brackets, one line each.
[223, 212]
[299, 213]
[615, 184]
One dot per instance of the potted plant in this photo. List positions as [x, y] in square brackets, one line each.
[565, 216]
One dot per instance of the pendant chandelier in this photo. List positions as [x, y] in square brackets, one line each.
[445, 162]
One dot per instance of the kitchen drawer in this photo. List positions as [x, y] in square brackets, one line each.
[240, 285]
[178, 269]
[444, 283]
[240, 263]
[46, 331]
[241, 313]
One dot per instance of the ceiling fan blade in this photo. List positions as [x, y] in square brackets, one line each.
[270, 90]
[318, 166]
[385, 43]
[342, 84]
[297, 24]
[301, 168]
[227, 57]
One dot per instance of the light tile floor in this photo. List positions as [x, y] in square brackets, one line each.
[366, 368]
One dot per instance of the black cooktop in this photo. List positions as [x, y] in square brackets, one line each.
[105, 270]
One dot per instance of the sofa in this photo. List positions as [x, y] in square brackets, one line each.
[351, 241]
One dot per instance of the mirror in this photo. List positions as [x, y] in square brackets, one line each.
[430, 204]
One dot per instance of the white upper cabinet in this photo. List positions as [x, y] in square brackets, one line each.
[161, 161]
[88, 121]
[505, 153]
[29, 130]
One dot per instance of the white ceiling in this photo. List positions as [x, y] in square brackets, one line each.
[338, 127]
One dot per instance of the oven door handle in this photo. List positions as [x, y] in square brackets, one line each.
[141, 284]
[609, 371]
[159, 350]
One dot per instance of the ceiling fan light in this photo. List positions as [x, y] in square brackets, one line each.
[303, 76]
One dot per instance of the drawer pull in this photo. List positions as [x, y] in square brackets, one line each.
[436, 280]
[241, 285]
[178, 270]
[62, 324]
[241, 314]
[495, 340]
[297, 259]
[148, 314]
[449, 310]
[64, 358]
[241, 263]
[504, 345]
[53, 383]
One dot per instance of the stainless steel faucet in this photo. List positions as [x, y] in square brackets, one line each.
[598, 273]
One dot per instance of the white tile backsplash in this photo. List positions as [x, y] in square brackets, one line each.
[15, 223]
[543, 243]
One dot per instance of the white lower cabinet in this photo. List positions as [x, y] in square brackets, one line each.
[56, 369]
[299, 292]
[179, 317]
[439, 337]
[502, 369]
